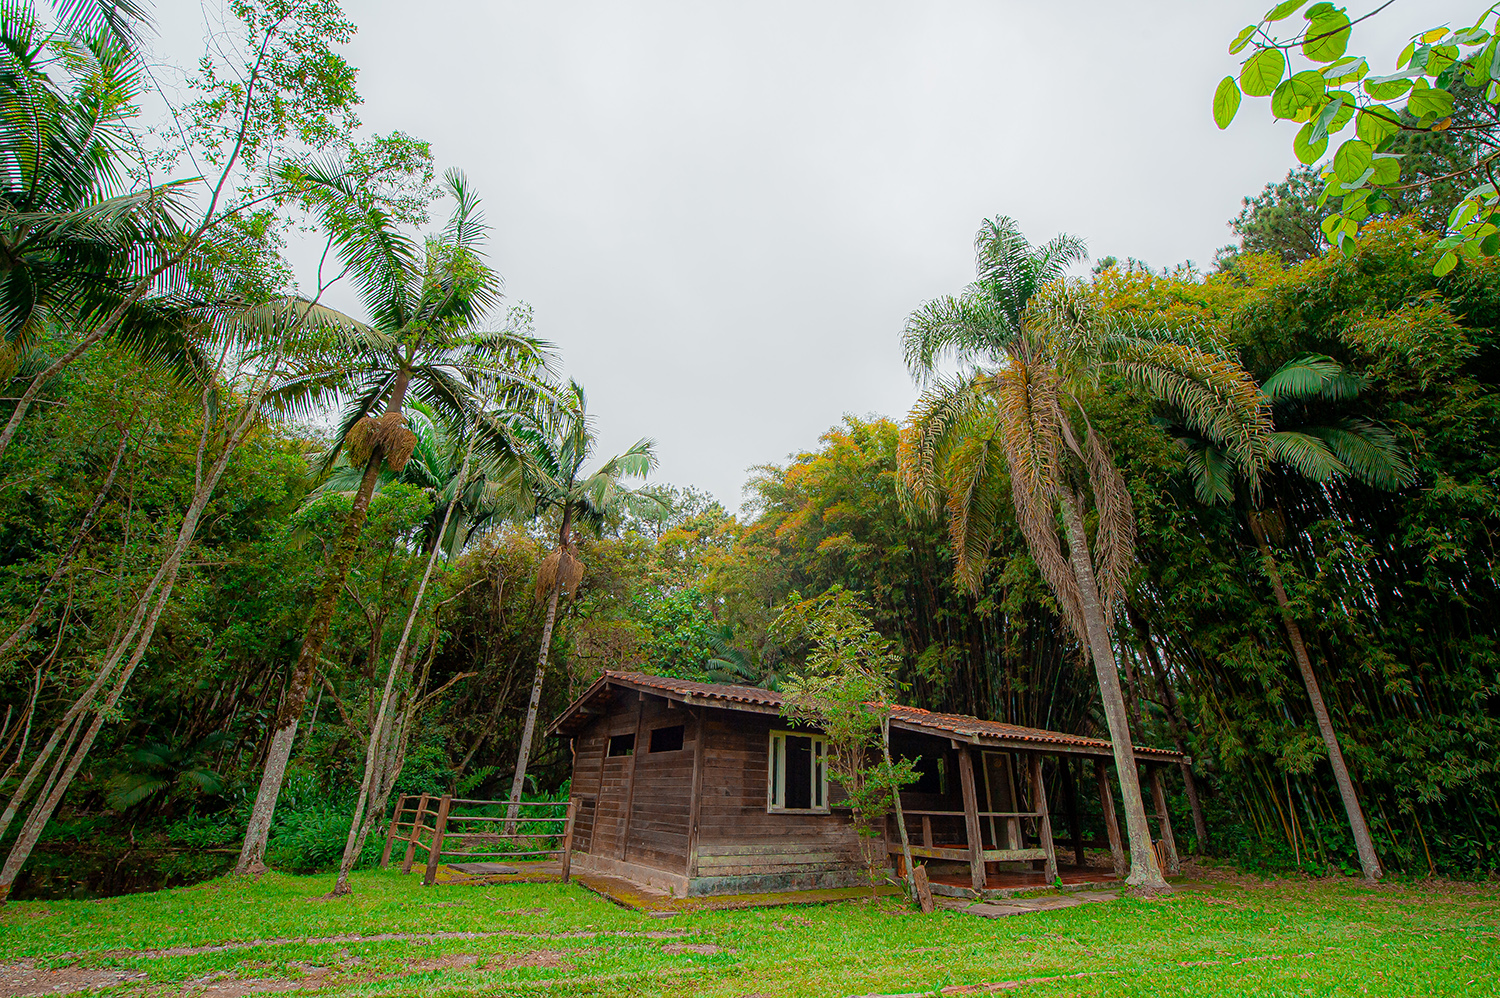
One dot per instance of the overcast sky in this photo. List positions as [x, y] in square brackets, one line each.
[722, 213]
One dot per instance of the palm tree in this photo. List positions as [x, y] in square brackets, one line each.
[489, 494]
[420, 342]
[1299, 393]
[75, 239]
[160, 768]
[556, 450]
[1033, 344]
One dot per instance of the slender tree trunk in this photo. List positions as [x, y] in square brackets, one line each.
[140, 631]
[379, 729]
[1368, 860]
[1143, 869]
[532, 708]
[284, 733]
[885, 750]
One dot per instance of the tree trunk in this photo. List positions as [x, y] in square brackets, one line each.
[148, 611]
[1143, 869]
[252, 853]
[885, 750]
[1369, 862]
[532, 708]
[375, 752]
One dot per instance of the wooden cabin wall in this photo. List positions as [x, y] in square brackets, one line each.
[654, 788]
[741, 846]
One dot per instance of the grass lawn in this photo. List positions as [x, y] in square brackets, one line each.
[1218, 935]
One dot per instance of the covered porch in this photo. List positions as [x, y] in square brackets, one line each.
[981, 816]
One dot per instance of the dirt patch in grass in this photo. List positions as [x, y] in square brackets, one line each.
[354, 937]
[552, 959]
[224, 985]
[702, 949]
[26, 980]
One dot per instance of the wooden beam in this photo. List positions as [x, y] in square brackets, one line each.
[1164, 821]
[697, 792]
[567, 842]
[635, 753]
[962, 855]
[927, 831]
[436, 849]
[411, 842]
[1075, 827]
[390, 836]
[1111, 822]
[971, 817]
[1044, 823]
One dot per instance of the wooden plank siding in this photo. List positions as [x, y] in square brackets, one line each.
[742, 846]
[661, 798]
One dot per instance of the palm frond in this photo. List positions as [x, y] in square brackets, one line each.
[1303, 377]
[1308, 454]
[1369, 451]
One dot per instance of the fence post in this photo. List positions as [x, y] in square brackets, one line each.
[567, 842]
[390, 836]
[436, 849]
[411, 842]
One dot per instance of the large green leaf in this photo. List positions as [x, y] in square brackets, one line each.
[1284, 9]
[1375, 125]
[1226, 102]
[1327, 36]
[1351, 160]
[1387, 169]
[1307, 151]
[1428, 102]
[1262, 71]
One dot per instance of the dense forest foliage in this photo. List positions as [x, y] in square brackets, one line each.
[1391, 584]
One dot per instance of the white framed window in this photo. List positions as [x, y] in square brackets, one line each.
[797, 773]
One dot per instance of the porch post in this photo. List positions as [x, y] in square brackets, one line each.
[1044, 821]
[971, 816]
[697, 792]
[1164, 820]
[1111, 822]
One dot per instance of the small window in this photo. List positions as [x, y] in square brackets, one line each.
[797, 773]
[622, 744]
[667, 739]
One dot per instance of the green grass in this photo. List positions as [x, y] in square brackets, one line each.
[1228, 936]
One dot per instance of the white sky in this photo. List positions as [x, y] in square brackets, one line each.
[722, 213]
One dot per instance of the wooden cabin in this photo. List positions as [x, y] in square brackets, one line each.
[703, 788]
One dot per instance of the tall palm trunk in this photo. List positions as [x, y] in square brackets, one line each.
[1369, 862]
[376, 752]
[284, 734]
[1143, 869]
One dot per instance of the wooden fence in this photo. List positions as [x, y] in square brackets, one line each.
[410, 823]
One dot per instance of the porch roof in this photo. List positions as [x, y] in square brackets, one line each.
[752, 699]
